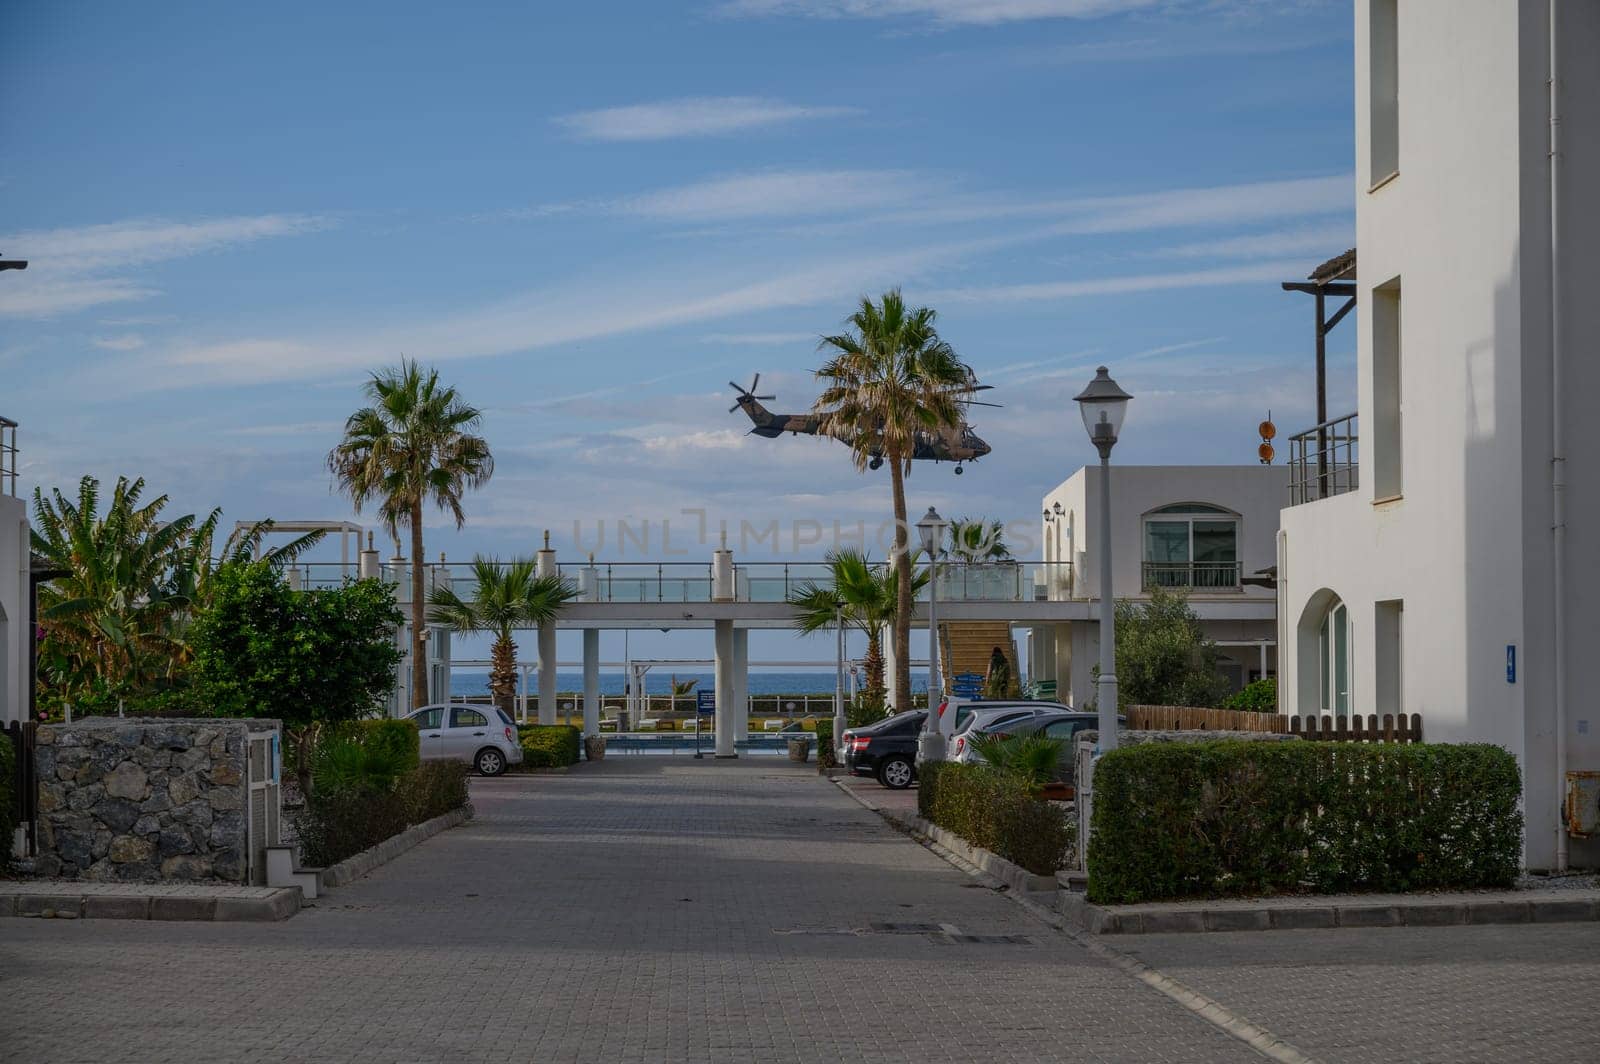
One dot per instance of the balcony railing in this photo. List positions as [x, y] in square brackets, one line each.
[8, 456]
[1002, 581]
[1193, 576]
[1323, 461]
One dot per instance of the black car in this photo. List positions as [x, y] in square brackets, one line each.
[885, 750]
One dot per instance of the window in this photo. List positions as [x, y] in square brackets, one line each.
[1062, 729]
[1383, 90]
[428, 718]
[1333, 645]
[1388, 655]
[468, 718]
[1387, 434]
[1191, 545]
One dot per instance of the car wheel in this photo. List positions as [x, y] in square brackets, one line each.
[490, 761]
[896, 773]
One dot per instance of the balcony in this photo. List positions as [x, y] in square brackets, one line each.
[1191, 576]
[8, 457]
[1324, 461]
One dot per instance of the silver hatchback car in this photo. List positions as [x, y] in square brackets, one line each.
[482, 736]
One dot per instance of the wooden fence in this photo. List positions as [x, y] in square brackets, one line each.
[1190, 718]
[1369, 729]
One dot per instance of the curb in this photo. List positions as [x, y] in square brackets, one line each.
[1014, 876]
[279, 905]
[1428, 911]
[353, 868]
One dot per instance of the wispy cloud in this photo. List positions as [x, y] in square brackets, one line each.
[1103, 286]
[66, 267]
[960, 12]
[760, 339]
[1324, 240]
[124, 342]
[783, 193]
[699, 116]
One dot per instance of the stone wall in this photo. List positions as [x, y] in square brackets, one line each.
[144, 799]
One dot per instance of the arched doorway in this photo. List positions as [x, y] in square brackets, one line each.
[1325, 657]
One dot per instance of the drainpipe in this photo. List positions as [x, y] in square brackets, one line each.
[1558, 457]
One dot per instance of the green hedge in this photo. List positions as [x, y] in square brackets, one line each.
[996, 811]
[824, 730]
[549, 745]
[1174, 820]
[8, 811]
[398, 736]
[342, 823]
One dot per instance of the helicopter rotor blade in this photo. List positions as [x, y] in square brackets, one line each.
[732, 408]
[736, 387]
[755, 383]
[763, 397]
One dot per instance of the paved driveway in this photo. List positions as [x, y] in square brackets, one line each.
[639, 909]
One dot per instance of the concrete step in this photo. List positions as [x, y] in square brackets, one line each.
[282, 871]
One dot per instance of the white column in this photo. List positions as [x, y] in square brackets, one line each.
[741, 684]
[367, 562]
[545, 566]
[591, 681]
[723, 671]
[889, 664]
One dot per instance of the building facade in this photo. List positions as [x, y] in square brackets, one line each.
[1205, 531]
[1435, 563]
[15, 631]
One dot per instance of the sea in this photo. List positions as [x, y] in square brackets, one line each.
[475, 681]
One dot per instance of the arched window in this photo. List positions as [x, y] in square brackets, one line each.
[1191, 545]
[1333, 657]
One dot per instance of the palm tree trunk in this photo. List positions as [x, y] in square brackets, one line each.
[902, 568]
[419, 656]
[873, 661]
[503, 674]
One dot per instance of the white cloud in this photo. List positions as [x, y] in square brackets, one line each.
[690, 117]
[1324, 241]
[124, 342]
[1103, 286]
[760, 339]
[964, 12]
[65, 267]
[780, 193]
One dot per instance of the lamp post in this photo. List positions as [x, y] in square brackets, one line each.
[930, 743]
[1103, 405]
[838, 681]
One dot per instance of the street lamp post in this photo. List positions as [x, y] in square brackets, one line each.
[1103, 405]
[930, 743]
[838, 682]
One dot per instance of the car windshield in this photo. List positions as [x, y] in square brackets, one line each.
[899, 718]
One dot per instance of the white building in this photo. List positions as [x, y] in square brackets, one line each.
[15, 631]
[1437, 567]
[1202, 530]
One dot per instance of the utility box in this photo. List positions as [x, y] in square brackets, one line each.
[1583, 804]
[264, 775]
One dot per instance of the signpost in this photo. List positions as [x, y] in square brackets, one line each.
[704, 702]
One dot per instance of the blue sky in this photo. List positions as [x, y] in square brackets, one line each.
[591, 216]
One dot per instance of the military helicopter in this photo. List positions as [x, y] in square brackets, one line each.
[956, 444]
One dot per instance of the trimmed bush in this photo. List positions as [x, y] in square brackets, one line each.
[8, 811]
[341, 823]
[398, 737]
[549, 745]
[824, 731]
[1175, 820]
[996, 811]
[1258, 696]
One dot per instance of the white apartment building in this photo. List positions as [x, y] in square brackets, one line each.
[15, 631]
[1442, 560]
[1207, 531]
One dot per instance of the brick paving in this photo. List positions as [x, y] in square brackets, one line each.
[635, 910]
[1449, 994]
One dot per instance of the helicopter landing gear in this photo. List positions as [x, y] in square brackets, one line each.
[876, 463]
[958, 471]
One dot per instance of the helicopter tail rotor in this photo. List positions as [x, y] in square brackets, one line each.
[747, 393]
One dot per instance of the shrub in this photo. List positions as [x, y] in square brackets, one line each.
[8, 813]
[549, 745]
[399, 736]
[824, 730]
[345, 764]
[997, 811]
[1176, 820]
[342, 823]
[1258, 697]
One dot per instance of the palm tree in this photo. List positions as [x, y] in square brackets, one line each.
[411, 447]
[108, 623]
[508, 597]
[890, 381]
[977, 540]
[865, 595]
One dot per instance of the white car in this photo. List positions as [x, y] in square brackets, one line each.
[971, 717]
[482, 736]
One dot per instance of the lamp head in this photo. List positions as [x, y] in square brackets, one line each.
[1103, 405]
[931, 530]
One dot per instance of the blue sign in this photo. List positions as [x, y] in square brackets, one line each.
[1511, 663]
[705, 701]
